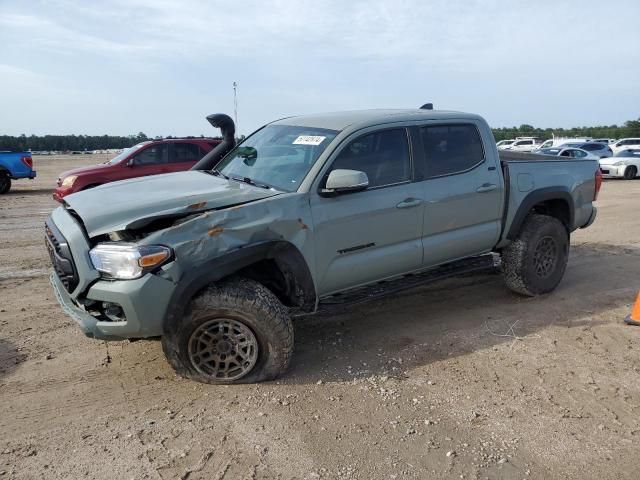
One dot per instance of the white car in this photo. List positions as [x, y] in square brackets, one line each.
[523, 145]
[568, 152]
[625, 144]
[624, 164]
[502, 144]
[557, 141]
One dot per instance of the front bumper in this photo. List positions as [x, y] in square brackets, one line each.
[85, 321]
[144, 302]
[611, 171]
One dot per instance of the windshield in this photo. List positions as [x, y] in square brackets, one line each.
[125, 153]
[277, 156]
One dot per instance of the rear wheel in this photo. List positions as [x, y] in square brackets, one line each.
[630, 172]
[534, 263]
[5, 182]
[235, 332]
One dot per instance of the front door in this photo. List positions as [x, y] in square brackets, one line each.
[372, 234]
[150, 161]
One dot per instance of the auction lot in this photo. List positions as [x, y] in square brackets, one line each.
[458, 379]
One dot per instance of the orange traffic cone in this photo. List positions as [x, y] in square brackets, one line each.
[634, 318]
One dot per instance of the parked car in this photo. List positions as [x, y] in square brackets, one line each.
[624, 164]
[568, 152]
[624, 144]
[605, 140]
[308, 213]
[558, 141]
[15, 166]
[502, 144]
[141, 160]
[599, 149]
[524, 144]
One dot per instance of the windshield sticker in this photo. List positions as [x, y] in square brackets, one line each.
[308, 140]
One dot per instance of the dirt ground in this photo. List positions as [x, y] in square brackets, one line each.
[459, 379]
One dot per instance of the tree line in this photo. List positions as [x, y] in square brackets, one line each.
[64, 143]
[630, 128]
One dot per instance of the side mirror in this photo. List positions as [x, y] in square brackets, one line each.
[130, 163]
[345, 181]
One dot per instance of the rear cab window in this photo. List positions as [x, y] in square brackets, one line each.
[451, 149]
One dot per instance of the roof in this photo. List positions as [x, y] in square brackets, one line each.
[342, 120]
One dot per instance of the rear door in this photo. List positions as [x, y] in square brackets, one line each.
[463, 193]
[373, 234]
[183, 156]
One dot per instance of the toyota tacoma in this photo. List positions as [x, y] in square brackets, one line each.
[308, 212]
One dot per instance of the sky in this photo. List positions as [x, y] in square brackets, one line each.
[119, 67]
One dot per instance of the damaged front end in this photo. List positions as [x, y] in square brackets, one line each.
[139, 250]
[137, 272]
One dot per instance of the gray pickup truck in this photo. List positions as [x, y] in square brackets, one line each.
[306, 212]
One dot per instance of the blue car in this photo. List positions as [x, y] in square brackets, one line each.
[13, 166]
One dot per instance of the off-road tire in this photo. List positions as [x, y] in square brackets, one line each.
[630, 172]
[244, 301]
[519, 267]
[5, 182]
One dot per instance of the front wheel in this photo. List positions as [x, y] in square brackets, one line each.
[5, 183]
[235, 332]
[630, 172]
[534, 263]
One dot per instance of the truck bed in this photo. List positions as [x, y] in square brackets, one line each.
[531, 179]
[508, 156]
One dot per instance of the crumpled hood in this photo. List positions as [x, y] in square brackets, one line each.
[116, 206]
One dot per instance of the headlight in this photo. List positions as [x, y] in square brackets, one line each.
[126, 261]
[69, 181]
[621, 163]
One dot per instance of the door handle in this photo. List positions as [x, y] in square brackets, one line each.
[409, 202]
[487, 187]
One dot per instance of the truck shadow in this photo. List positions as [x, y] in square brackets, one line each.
[458, 316]
[17, 191]
[10, 358]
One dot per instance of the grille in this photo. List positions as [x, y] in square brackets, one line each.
[61, 257]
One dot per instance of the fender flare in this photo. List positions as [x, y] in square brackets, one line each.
[288, 258]
[536, 197]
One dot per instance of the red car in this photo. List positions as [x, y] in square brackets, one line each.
[146, 158]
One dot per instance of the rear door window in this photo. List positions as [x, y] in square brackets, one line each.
[153, 155]
[185, 152]
[451, 149]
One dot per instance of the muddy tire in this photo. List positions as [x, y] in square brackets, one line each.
[5, 182]
[234, 332]
[630, 173]
[534, 263]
